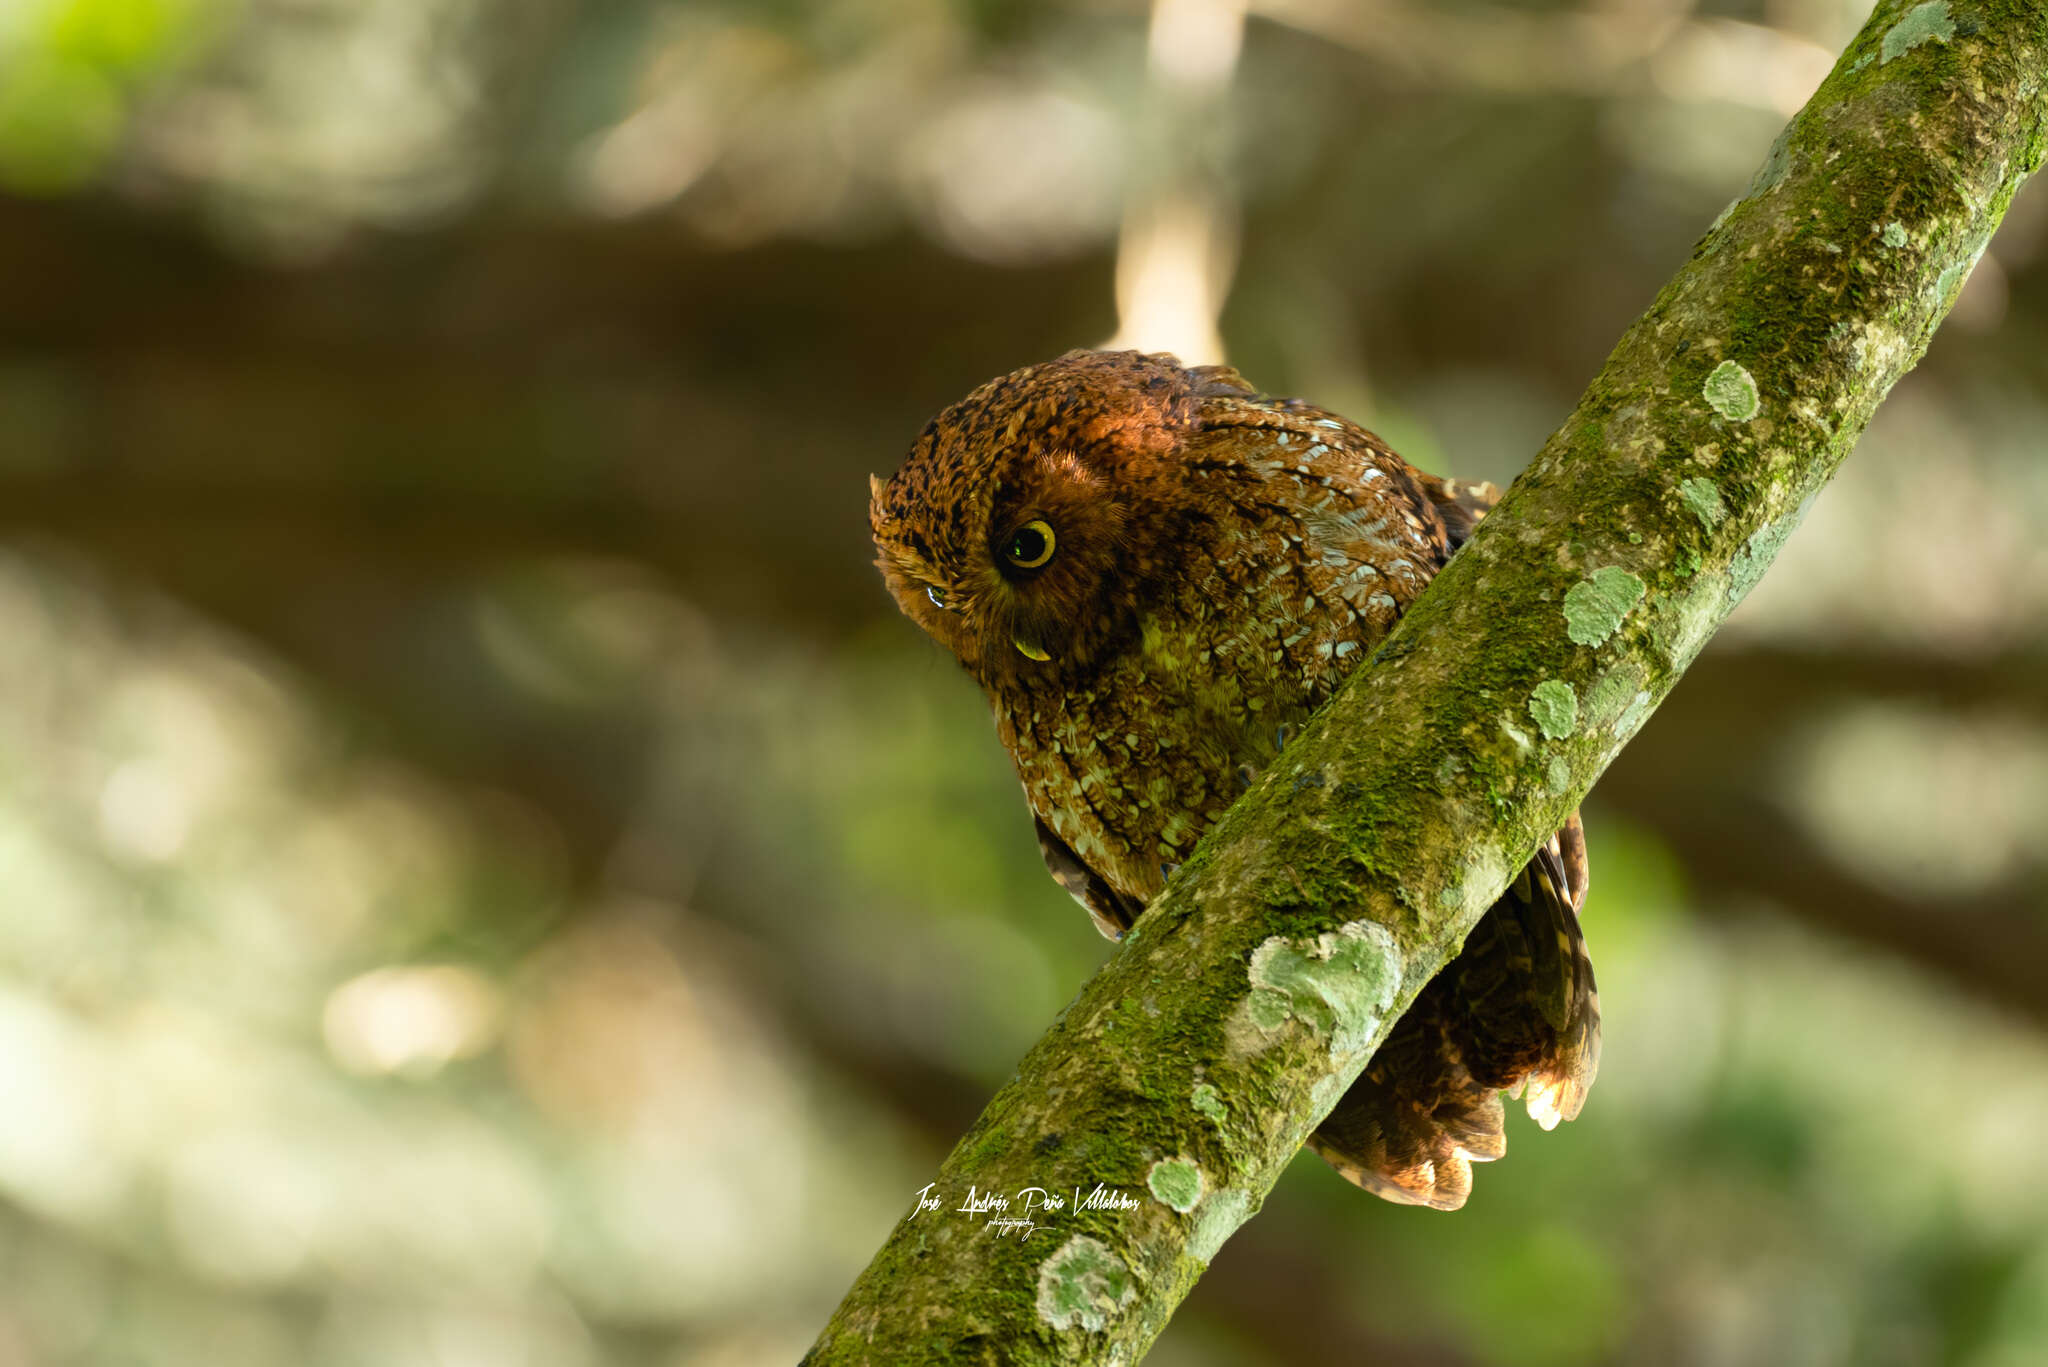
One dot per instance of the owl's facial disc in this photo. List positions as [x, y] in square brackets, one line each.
[1009, 532]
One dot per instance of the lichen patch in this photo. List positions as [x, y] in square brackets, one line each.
[1555, 706]
[1894, 234]
[1595, 606]
[1176, 1182]
[1632, 716]
[1777, 162]
[1558, 778]
[1928, 23]
[1608, 698]
[1952, 277]
[1337, 985]
[1686, 619]
[1731, 391]
[1208, 1102]
[1221, 1215]
[1084, 1284]
[1759, 551]
[1484, 874]
[1703, 496]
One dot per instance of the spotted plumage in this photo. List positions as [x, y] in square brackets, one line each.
[1155, 573]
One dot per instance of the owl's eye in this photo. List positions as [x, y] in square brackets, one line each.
[937, 595]
[1032, 545]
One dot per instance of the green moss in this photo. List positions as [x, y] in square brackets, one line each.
[1923, 24]
[1083, 1285]
[989, 1145]
[1595, 606]
[1556, 708]
[1732, 392]
[1176, 1182]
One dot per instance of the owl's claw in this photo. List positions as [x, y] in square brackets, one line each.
[1245, 775]
[1281, 735]
[1167, 871]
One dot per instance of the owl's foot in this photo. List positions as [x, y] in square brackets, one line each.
[1245, 775]
[1281, 735]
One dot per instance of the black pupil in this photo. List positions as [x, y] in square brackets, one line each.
[1028, 545]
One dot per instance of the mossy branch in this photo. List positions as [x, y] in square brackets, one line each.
[1190, 1069]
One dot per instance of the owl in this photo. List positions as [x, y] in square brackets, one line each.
[1156, 573]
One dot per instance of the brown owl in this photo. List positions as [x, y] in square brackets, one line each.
[1157, 572]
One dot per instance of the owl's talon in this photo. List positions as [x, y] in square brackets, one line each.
[1281, 736]
[1167, 871]
[1245, 775]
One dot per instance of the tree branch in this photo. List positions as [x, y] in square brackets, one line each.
[1191, 1068]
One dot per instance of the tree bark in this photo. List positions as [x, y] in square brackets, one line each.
[1190, 1069]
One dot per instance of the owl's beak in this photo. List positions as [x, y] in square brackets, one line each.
[1028, 650]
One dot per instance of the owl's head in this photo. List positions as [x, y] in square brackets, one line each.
[1029, 520]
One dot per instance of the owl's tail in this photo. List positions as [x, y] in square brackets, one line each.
[1516, 1010]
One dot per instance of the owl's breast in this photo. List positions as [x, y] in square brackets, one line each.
[1131, 770]
[1131, 766]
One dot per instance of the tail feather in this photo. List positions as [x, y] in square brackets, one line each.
[1516, 1010]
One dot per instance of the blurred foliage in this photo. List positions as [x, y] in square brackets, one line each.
[489, 880]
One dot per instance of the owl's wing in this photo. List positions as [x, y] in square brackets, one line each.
[1517, 1009]
[1111, 911]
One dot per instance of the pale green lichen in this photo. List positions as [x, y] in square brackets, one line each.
[1221, 1215]
[1894, 234]
[1177, 1182]
[1555, 706]
[1607, 698]
[1480, 881]
[1322, 1098]
[1594, 607]
[1558, 778]
[1638, 706]
[1776, 163]
[1922, 24]
[1703, 496]
[1338, 985]
[1207, 1101]
[1686, 618]
[1732, 392]
[1952, 277]
[1759, 551]
[1083, 1285]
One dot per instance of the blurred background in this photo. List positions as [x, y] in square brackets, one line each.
[488, 880]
